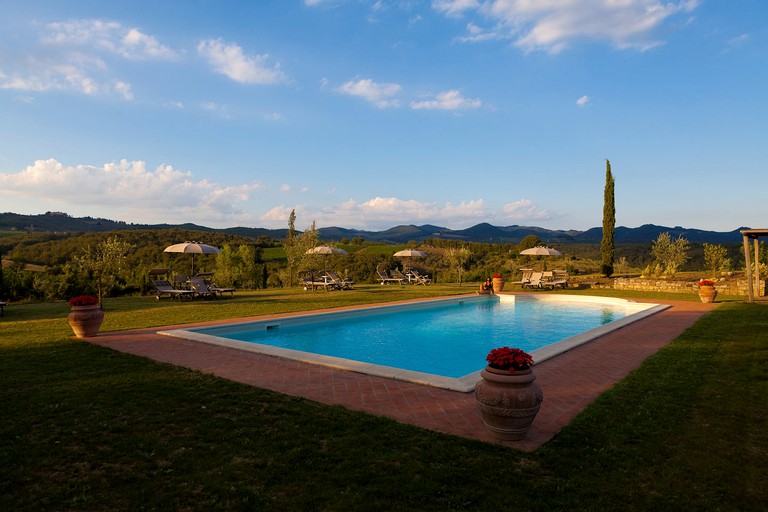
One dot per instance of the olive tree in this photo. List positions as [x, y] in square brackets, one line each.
[716, 258]
[456, 258]
[104, 262]
[670, 254]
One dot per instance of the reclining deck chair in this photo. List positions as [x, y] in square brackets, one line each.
[420, 279]
[386, 279]
[201, 288]
[337, 282]
[163, 287]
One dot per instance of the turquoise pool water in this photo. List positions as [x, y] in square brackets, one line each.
[448, 338]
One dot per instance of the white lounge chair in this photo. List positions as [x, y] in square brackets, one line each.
[524, 279]
[559, 278]
[386, 279]
[420, 279]
[534, 281]
[337, 282]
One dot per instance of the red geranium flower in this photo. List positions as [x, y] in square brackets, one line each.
[497, 276]
[83, 300]
[512, 359]
[706, 282]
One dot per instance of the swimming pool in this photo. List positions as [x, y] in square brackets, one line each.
[440, 342]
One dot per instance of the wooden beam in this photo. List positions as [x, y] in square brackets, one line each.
[750, 291]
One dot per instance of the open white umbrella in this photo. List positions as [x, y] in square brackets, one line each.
[326, 250]
[410, 253]
[192, 248]
[541, 251]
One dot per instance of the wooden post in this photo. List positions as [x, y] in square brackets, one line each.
[750, 290]
[757, 265]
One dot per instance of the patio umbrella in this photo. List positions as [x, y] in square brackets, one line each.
[326, 251]
[192, 248]
[409, 254]
[541, 251]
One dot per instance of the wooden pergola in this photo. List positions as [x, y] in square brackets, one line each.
[752, 283]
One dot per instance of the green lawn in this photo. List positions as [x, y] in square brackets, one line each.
[87, 428]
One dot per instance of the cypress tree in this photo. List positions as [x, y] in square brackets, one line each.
[609, 224]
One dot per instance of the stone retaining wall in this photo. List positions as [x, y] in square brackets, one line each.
[727, 287]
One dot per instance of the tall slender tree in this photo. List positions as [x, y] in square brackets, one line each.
[607, 246]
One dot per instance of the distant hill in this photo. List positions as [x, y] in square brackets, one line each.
[62, 223]
[650, 232]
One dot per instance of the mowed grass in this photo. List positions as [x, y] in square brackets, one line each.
[87, 428]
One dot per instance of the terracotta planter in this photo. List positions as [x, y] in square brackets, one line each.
[508, 402]
[707, 293]
[498, 284]
[85, 320]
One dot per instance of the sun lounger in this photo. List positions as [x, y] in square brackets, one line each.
[534, 281]
[420, 279]
[181, 282]
[524, 279]
[201, 288]
[396, 274]
[311, 281]
[386, 279]
[163, 287]
[559, 278]
[221, 291]
[337, 282]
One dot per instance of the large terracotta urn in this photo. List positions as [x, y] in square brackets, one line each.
[85, 320]
[498, 284]
[707, 293]
[508, 401]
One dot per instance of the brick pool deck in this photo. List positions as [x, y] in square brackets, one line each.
[570, 381]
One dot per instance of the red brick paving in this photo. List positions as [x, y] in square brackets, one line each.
[570, 381]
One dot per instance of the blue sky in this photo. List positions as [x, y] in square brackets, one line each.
[369, 114]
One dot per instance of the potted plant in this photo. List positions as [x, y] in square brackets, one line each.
[707, 290]
[498, 283]
[85, 316]
[507, 395]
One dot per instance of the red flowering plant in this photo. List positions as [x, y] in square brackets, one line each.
[706, 282]
[497, 276]
[512, 359]
[83, 300]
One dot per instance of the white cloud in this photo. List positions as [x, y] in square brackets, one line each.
[524, 210]
[128, 191]
[582, 101]
[447, 100]
[229, 60]
[551, 25]
[71, 57]
[386, 212]
[40, 77]
[478, 34]
[381, 95]
[455, 8]
[112, 36]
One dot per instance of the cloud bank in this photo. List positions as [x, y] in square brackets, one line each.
[129, 191]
